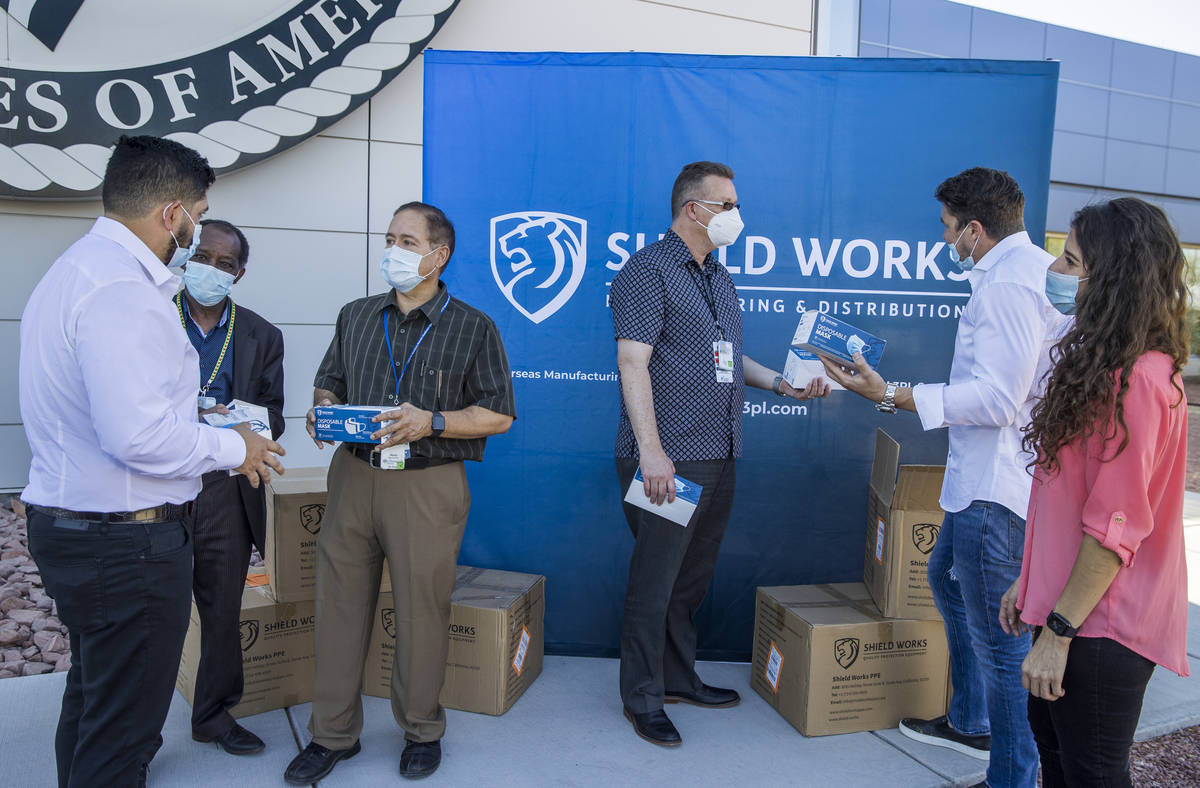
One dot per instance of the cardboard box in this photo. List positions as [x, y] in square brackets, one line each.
[277, 654]
[903, 523]
[347, 423]
[820, 333]
[295, 509]
[496, 640]
[829, 663]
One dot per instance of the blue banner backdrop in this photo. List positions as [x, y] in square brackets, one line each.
[556, 167]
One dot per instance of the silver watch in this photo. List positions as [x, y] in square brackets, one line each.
[775, 385]
[888, 403]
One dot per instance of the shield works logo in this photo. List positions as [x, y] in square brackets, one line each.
[845, 651]
[249, 634]
[538, 259]
[387, 617]
[311, 516]
[259, 87]
[925, 536]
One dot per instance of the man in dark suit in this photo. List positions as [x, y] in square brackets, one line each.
[241, 357]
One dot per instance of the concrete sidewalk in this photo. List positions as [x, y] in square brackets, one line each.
[567, 730]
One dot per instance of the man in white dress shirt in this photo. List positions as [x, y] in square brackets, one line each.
[1002, 336]
[108, 386]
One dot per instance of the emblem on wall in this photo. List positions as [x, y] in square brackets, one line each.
[538, 260]
[287, 71]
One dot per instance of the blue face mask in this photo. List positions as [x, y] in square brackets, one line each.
[183, 253]
[964, 263]
[1061, 289]
[207, 284]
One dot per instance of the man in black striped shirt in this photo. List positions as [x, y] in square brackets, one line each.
[442, 366]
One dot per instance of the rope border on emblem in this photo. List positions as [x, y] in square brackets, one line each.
[80, 168]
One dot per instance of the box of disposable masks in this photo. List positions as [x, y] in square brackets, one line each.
[820, 333]
[240, 412]
[348, 423]
[801, 367]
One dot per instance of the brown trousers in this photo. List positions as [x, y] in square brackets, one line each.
[414, 518]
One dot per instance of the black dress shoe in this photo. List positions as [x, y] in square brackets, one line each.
[420, 758]
[655, 727]
[316, 762]
[235, 741]
[706, 696]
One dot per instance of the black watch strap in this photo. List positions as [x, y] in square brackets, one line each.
[438, 424]
[1060, 626]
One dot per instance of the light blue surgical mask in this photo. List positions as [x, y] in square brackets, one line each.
[964, 263]
[1061, 289]
[207, 284]
[183, 253]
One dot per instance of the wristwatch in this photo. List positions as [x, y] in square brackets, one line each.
[775, 385]
[438, 424]
[888, 403]
[1060, 626]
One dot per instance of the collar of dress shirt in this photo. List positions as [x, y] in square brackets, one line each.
[679, 253]
[187, 310]
[155, 268]
[997, 252]
[431, 308]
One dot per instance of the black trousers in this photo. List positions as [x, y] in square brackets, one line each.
[1083, 738]
[123, 591]
[669, 575]
[222, 553]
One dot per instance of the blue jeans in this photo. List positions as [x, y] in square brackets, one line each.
[977, 557]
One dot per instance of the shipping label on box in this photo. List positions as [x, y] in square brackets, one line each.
[295, 510]
[904, 520]
[829, 663]
[348, 423]
[278, 643]
[496, 637]
[820, 333]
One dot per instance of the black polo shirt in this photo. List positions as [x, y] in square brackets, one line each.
[454, 359]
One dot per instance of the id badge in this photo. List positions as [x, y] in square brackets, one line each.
[723, 361]
[392, 458]
[204, 403]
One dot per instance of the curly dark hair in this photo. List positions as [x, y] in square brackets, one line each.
[1136, 301]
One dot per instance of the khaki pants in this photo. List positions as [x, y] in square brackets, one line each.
[416, 519]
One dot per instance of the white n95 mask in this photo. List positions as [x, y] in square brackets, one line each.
[725, 227]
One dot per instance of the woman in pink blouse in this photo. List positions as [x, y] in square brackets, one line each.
[1104, 577]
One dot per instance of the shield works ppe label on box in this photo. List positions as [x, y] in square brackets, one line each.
[347, 423]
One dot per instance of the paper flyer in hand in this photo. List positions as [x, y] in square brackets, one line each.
[679, 511]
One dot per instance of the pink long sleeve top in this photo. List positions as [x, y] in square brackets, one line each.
[1133, 505]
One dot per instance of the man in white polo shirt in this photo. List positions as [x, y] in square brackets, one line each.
[1002, 335]
[109, 385]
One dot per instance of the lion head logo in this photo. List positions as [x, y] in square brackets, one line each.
[925, 536]
[538, 260]
[388, 619]
[845, 651]
[248, 630]
[310, 517]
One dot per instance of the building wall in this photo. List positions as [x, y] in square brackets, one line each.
[1128, 116]
[315, 214]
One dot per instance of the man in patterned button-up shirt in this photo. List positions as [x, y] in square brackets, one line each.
[678, 328]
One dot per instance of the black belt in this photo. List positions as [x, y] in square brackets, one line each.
[167, 513]
[363, 452]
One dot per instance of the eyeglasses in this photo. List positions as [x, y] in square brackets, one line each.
[728, 206]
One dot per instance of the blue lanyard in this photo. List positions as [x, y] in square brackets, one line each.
[392, 358]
